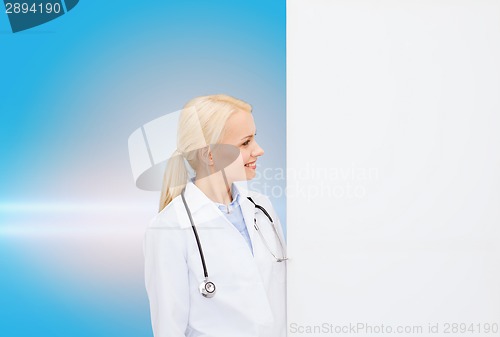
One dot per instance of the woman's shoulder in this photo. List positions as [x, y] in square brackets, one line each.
[168, 216]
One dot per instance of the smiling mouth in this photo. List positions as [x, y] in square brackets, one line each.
[251, 165]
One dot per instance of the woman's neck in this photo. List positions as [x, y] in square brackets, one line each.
[216, 188]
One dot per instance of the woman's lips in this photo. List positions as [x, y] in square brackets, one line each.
[251, 165]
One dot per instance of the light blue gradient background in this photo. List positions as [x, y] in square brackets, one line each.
[72, 91]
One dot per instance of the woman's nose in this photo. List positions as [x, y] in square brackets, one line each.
[258, 151]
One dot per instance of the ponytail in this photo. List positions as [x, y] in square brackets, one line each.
[174, 179]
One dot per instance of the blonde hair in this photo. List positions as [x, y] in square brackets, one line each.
[201, 123]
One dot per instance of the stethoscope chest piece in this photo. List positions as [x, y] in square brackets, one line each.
[207, 288]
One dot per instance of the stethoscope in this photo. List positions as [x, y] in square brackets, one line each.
[207, 288]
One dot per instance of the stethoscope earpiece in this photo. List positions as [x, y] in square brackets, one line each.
[207, 288]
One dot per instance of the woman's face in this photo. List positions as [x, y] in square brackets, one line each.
[240, 132]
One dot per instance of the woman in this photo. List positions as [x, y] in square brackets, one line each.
[214, 257]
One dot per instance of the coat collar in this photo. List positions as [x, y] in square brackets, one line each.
[198, 199]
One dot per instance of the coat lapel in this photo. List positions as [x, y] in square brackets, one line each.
[261, 255]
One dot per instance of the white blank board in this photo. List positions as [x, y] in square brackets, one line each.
[393, 154]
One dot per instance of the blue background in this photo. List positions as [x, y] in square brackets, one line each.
[72, 91]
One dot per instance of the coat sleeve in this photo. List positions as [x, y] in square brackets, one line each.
[166, 278]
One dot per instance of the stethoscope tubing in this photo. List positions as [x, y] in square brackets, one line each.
[262, 209]
[207, 288]
[198, 242]
[278, 259]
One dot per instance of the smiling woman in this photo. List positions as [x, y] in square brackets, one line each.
[213, 223]
[240, 132]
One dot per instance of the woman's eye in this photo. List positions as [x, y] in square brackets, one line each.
[246, 143]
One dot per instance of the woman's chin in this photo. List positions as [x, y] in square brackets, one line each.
[250, 175]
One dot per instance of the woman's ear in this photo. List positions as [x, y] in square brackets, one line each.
[205, 156]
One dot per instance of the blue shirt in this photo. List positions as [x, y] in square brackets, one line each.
[235, 216]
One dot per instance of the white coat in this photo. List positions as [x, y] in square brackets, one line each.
[250, 300]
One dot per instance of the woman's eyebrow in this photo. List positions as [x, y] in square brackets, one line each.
[249, 135]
